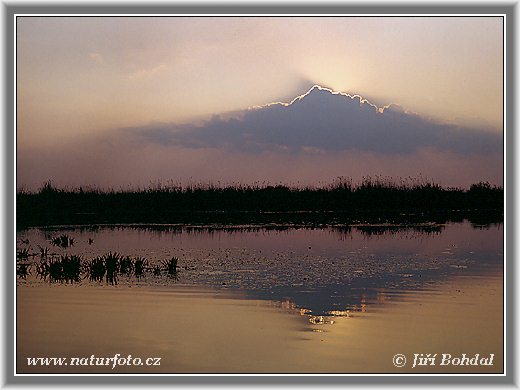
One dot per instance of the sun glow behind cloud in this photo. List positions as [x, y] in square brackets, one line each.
[80, 80]
[319, 87]
[167, 69]
[316, 137]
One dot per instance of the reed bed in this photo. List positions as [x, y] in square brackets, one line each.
[175, 203]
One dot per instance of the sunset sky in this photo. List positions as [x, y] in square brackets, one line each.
[126, 101]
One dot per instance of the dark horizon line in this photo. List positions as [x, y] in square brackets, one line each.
[371, 201]
[341, 182]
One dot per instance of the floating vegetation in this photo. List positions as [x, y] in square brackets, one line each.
[63, 241]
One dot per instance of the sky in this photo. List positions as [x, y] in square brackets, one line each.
[129, 101]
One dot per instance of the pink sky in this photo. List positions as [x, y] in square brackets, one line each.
[100, 101]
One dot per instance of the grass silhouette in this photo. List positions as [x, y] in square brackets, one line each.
[63, 241]
[62, 269]
[22, 254]
[371, 199]
[171, 266]
[108, 268]
[22, 270]
[140, 265]
[126, 266]
[96, 269]
[112, 267]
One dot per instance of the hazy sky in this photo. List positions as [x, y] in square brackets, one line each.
[81, 81]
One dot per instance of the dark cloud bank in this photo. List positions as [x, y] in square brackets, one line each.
[325, 121]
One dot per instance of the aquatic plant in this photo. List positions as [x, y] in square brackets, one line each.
[43, 269]
[55, 271]
[171, 266]
[140, 265]
[63, 241]
[44, 252]
[96, 269]
[63, 269]
[71, 268]
[156, 269]
[23, 269]
[126, 266]
[22, 254]
[112, 267]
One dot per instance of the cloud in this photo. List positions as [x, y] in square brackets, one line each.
[324, 120]
[312, 139]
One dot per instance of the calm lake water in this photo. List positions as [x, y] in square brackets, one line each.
[278, 299]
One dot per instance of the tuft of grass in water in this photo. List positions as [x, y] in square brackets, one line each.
[22, 254]
[112, 261]
[63, 241]
[43, 269]
[22, 270]
[171, 266]
[44, 252]
[156, 270]
[96, 269]
[71, 267]
[55, 271]
[63, 269]
[126, 266]
[140, 264]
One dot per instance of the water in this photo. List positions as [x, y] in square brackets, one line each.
[312, 283]
[320, 270]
